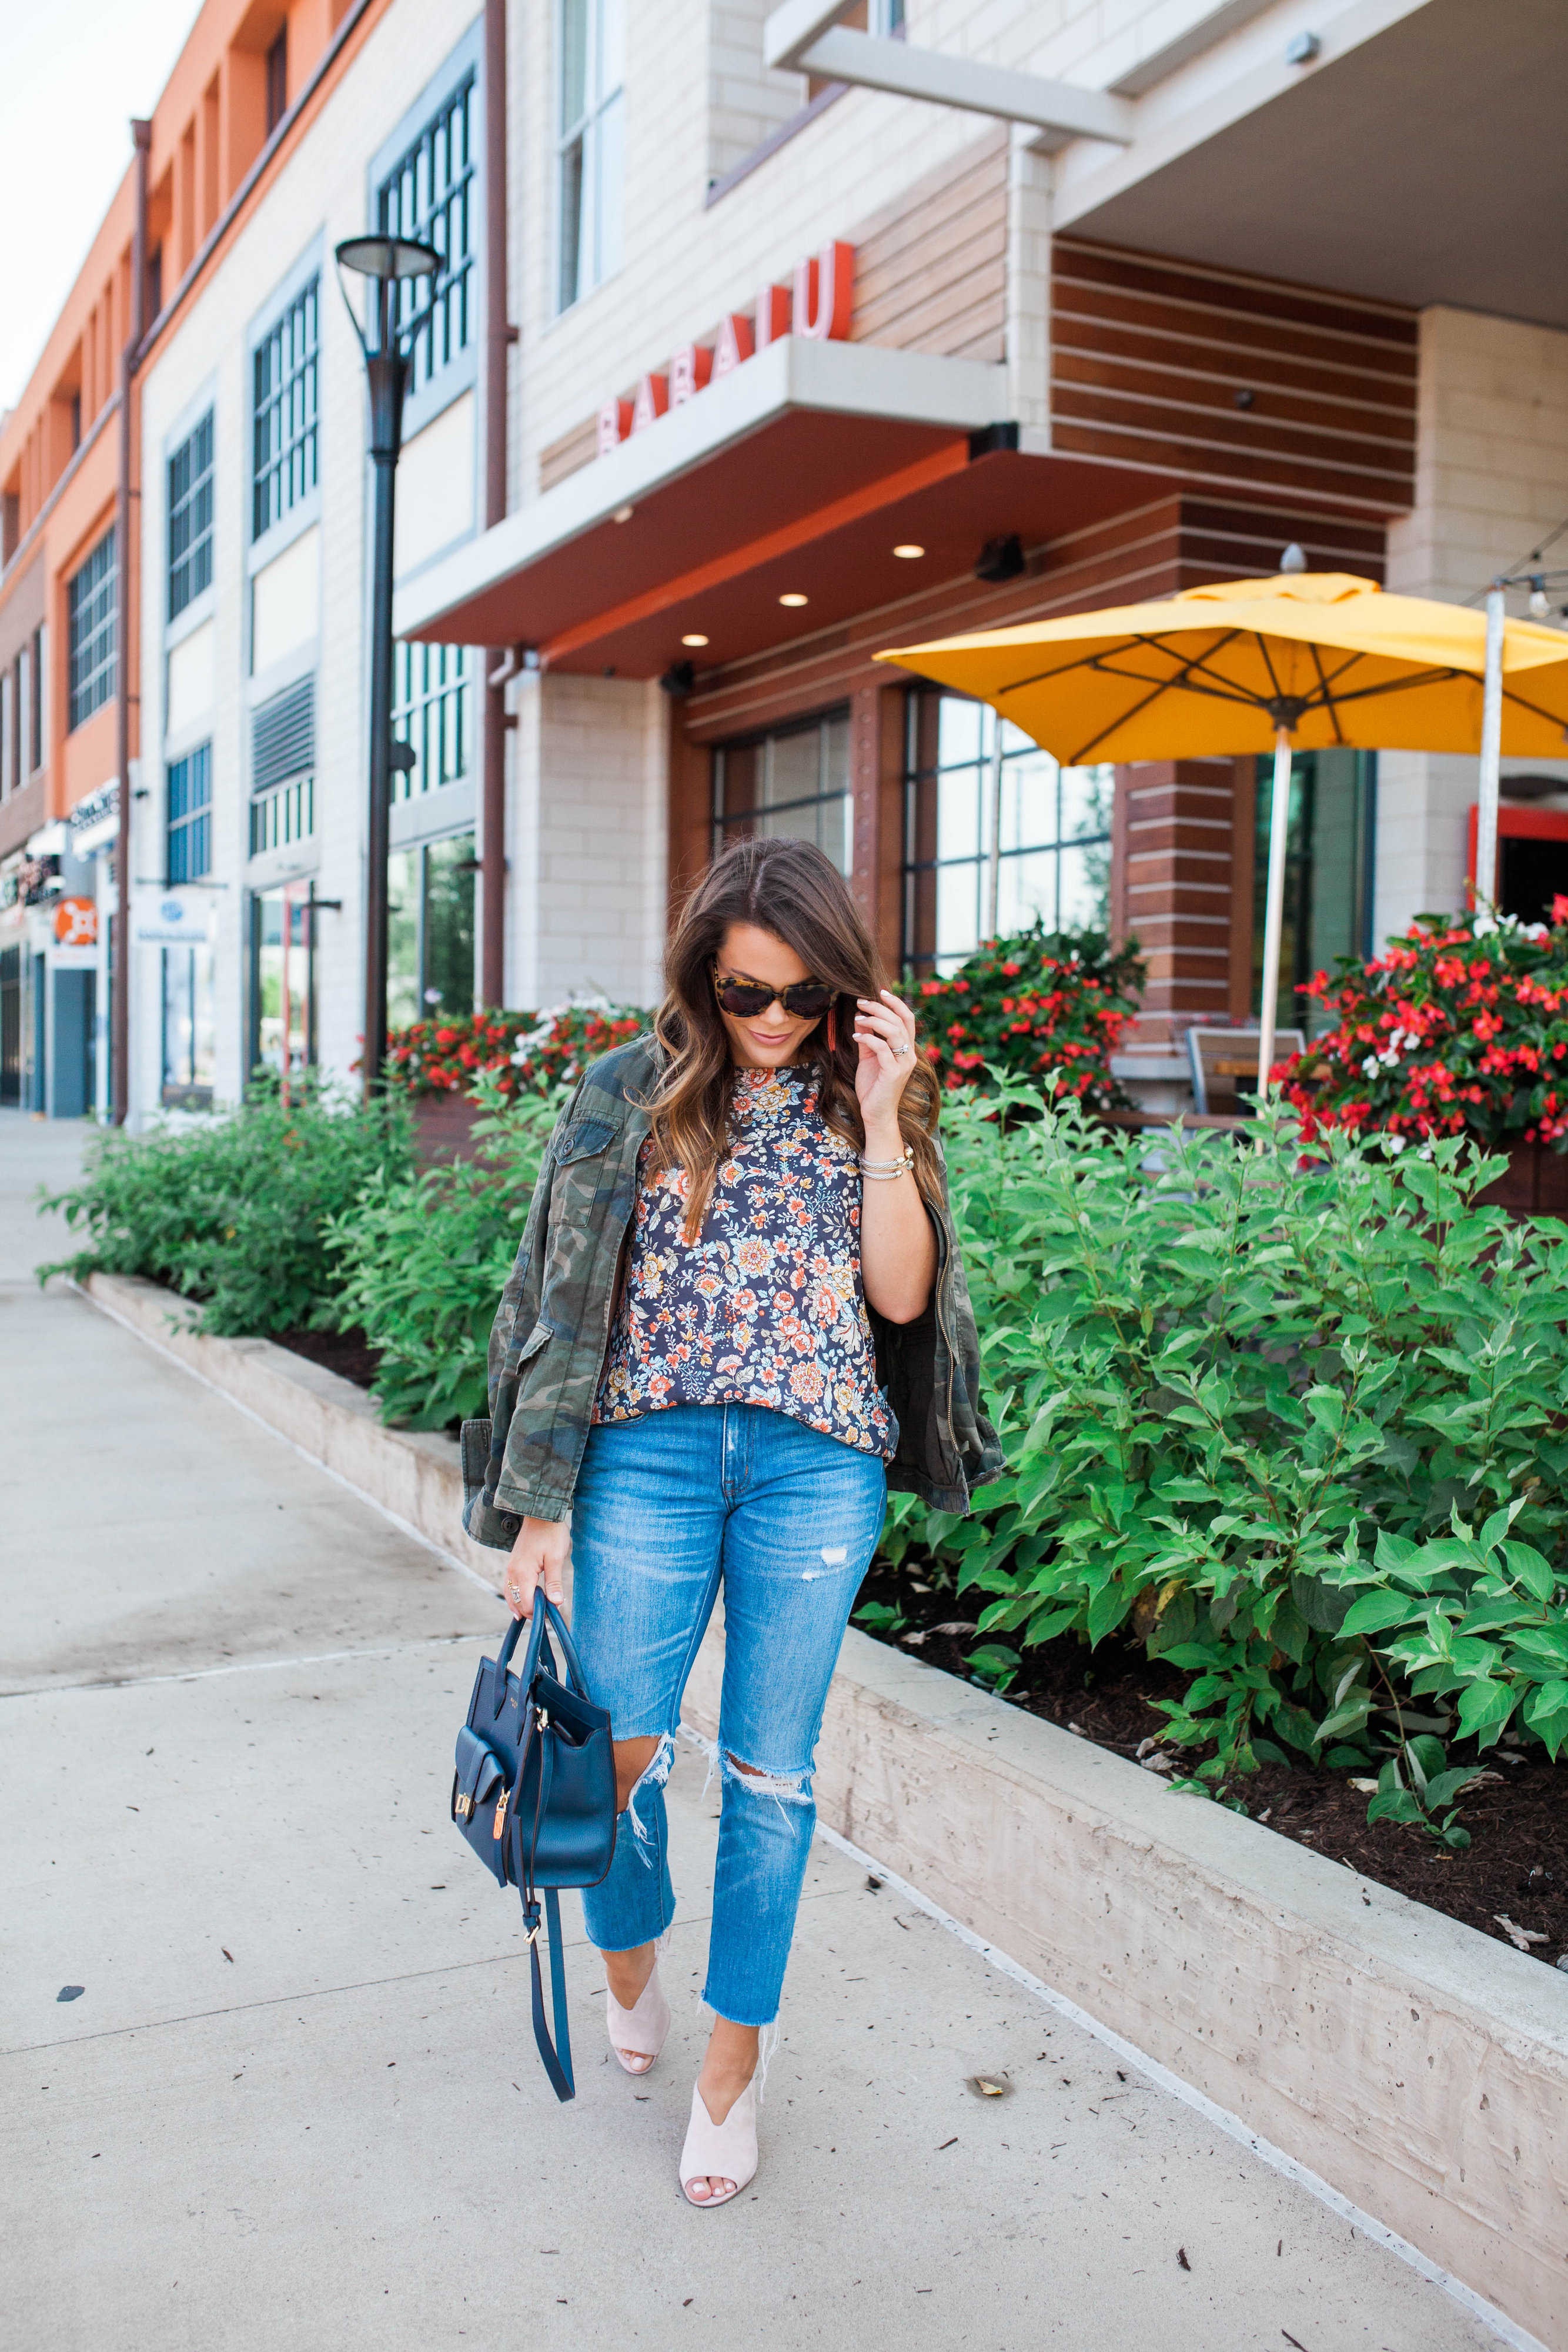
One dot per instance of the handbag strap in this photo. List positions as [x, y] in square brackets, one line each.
[557, 2056]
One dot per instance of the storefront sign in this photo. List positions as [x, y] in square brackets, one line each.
[76, 922]
[95, 821]
[162, 920]
[819, 308]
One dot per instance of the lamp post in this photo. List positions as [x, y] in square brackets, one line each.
[386, 262]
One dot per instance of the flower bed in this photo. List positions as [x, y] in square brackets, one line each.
[1049, 1007]
[523, 1053]
[1458, 1028]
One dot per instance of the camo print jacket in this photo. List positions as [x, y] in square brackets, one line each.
[551, 1330]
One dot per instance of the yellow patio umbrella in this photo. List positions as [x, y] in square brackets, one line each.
[1304, 661]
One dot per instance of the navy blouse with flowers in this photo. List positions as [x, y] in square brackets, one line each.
[767, 1306]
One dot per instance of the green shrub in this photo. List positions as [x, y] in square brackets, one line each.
[1295, 1420]
[1048, 1006]
[234, 1211]
[423, 1260]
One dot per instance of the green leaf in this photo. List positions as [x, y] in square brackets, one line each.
[1375, 1612]
[1527, 1567]
[1485, 1705]
[1325, 1606]
[1106, 1610]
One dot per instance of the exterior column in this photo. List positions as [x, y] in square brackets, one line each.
[1178, 895]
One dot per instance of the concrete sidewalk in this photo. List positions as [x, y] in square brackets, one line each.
[297, 2101]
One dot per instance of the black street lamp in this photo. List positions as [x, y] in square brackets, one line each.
[385, 261]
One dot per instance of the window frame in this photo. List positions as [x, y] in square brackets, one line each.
[198, 549]
[587, 128]
[927, 961]
[189, 827]
[283, 522]
[420, 710]
[89, 690]
[723, 823]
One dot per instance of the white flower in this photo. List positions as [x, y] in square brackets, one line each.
[1395, 1142]
[1371, 1066]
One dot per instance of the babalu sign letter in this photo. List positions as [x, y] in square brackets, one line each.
[818, 306]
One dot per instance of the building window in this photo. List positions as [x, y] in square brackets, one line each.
[283, 980]
[277, 80]
[1048, 859]
[793, 784]
[90, 603]
[282, 768]
[191, 518]
[591, 145]
[1328, 874]
[37, 706]
[430, 931]
[283, 461]
[431, 715]
[189, 1029]
[428, 197]
[190, 816]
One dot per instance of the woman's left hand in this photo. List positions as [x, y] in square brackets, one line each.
[884, 1031]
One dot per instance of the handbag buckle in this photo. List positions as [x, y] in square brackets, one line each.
[464, 1807]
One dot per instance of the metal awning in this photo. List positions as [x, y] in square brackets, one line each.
[803, 436]
[795, 476]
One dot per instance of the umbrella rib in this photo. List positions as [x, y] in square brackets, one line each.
[1328, 689]
[1549, 717]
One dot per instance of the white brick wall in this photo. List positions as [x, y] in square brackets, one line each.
[586, 882]
[1492, 481]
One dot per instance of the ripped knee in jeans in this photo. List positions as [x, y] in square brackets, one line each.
[757, 1779]
[653, 1775]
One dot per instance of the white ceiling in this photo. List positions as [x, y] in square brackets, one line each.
[1430, 164]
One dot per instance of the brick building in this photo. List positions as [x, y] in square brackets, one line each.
[766, 341]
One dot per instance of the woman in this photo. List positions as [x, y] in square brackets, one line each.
[737, 1313]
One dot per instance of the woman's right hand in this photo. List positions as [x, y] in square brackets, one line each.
[538, 1556]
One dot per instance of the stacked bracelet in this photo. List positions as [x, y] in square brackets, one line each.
[887, 1172]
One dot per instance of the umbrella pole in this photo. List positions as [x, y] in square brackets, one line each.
[1484, 886]
[1274, 920]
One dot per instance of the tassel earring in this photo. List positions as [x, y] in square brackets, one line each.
[833, 1031]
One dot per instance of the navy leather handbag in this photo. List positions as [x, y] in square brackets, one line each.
[534, 1796]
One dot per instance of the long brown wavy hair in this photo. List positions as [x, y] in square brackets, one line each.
[791, 889]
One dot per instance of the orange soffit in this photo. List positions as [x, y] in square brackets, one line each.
[818, 305]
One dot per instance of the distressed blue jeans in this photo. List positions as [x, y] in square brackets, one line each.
[667, 1507]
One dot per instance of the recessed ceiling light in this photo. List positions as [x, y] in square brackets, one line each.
[909, 551]
[793, 598]
[695, 637]
[623, 514]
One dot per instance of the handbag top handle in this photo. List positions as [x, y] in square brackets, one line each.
[547, 1618]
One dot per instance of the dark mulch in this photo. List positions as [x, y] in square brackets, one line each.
[1516, 1863]
[349, 1352]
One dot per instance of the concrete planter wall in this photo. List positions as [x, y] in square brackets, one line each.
[1420, 2068]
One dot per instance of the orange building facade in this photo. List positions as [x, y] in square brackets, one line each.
[70, 553]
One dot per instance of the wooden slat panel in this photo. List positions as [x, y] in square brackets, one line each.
[1221, 465]
[1212, 357]
[1260, 297]
[1216, 400]
[1230, 331]
[931, 272]
[569, 454]
[1147, 356]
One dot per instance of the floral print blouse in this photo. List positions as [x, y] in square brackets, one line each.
[767, 1306]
